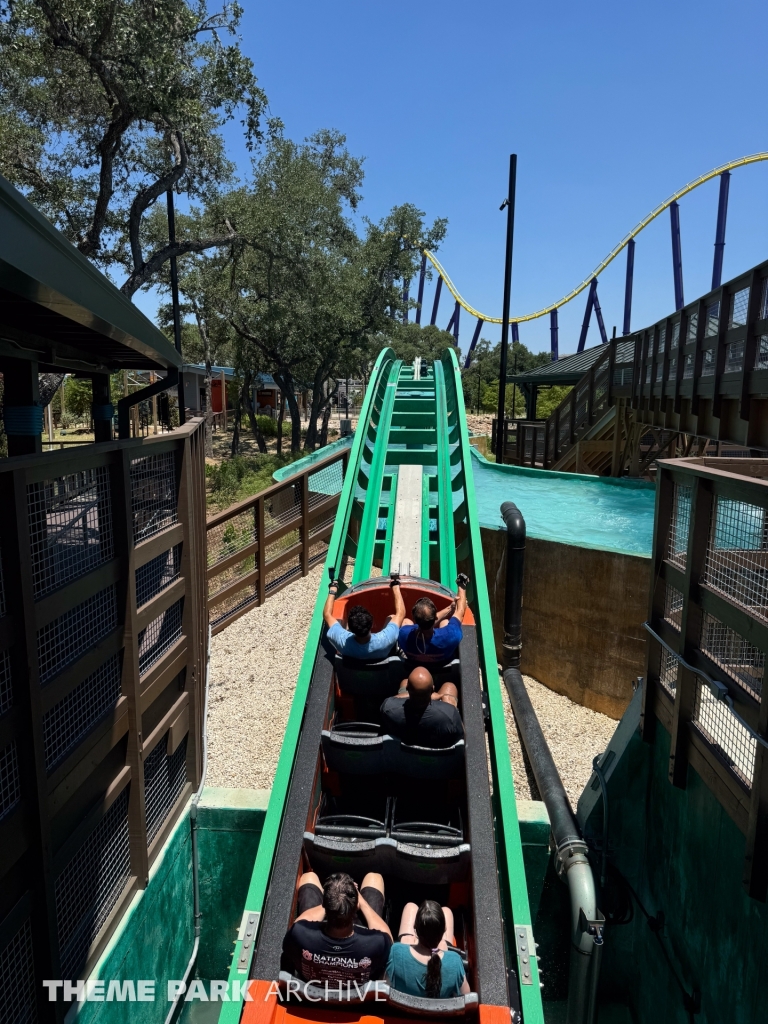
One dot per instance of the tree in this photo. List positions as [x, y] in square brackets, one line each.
[411, 340]
[483, 375]
[105, 105]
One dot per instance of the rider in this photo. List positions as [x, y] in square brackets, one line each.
[433, 637]
[357, 641]
[421, 717]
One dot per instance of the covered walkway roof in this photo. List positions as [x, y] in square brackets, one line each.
[567, 370]
[57, 308]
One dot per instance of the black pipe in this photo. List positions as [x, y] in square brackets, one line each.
[513, 591]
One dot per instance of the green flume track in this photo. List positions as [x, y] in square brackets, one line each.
[405, 421]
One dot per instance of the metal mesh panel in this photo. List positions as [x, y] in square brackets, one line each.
[90, 885]
[67, 638]
[564, 429]
[734, 358]
[582, 404]
[724, 733]
[668, 670]
[164, 779]
[675, 333]
[17, 979]
[663, 339]
[156, 575]
[70, 527]
[325, 482]
[713, 320]
[234, 602]
[673, 606]
[67, 722]
[232, 536]
[159, 636]
[688, 368]
[737, 559]
[707, 362]
[693, 326]
[735, 655]
[764, 300]
[153, 494]
[601, 389]
[648, 372]
[761, 352]
[659, 371]
[680, 525]
[10, 788]
[739, 308]
[288, 570]
[282, 508]
[317, 552]
[6, 687]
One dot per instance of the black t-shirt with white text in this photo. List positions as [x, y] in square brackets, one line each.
[435, 725]
[315, 956]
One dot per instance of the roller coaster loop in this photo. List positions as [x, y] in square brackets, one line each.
[741, 162]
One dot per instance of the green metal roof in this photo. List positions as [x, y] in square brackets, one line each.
[568, 369]
[57, 307]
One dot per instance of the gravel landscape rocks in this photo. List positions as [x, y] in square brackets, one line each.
[254, 667]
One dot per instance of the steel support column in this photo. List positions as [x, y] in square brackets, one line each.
[599, 316]
[473, 343]
[436, 303]
[456, 315]
[509, 202]
[587, 314]
[722, 216]
[553, 335]
[628, 286]
[677, 255]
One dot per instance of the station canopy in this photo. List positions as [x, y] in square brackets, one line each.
[568, 370]
[58, 309]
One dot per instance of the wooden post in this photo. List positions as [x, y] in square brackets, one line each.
[224, 400]
[305, 523]
[690, 630]
[618, 409]
[591, 395]
[192, 564]
[261, 553]
[152, 379]
[49, 419]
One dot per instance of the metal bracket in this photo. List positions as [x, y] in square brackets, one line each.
[525, 952]
[247, 935]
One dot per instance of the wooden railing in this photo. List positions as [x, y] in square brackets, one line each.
[102, 662]
[709, 607]
[258, 546]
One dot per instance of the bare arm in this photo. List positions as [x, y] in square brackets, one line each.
[464, 987]
[462, 582]
[372, 919]
[399, 615]
[446, 613]
[328, 617]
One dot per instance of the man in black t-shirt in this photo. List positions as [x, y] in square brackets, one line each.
[421, 717]
[325, 942]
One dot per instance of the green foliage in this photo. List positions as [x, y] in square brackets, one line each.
[78, 397]
[548, 400]
[105, 106]
[411, 340]
[267, 426]
[240, 477]
[482, 377]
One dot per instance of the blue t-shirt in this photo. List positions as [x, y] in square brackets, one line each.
[441, 647]
[377, 647]
[407, 974]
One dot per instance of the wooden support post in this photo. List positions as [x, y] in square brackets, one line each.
[591, 395]
[190, 514]
[690, 631]
[304, 523]
[261, 553]
[23, 414]
[618, 412]
[224, 400]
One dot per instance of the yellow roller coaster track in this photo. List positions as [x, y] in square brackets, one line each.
[742, 162]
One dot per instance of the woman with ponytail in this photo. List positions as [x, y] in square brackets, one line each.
[420, 962]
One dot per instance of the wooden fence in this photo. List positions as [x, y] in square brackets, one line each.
[709, 607]
[265, 542]
[102, 662]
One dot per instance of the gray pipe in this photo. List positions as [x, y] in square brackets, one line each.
[571, 860]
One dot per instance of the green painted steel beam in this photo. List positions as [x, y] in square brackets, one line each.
[445, 525]
[369, 525]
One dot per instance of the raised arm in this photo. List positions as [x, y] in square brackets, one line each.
[399, 615]
[462, 582]
[328, 617]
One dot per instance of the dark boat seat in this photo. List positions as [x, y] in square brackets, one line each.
[420, 1006]
[356, 856]
[375, 680]
[447, 672]
[357, 748]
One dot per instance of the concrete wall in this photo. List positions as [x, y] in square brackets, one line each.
[582, 618]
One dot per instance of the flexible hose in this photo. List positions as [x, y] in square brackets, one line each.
[179, 997]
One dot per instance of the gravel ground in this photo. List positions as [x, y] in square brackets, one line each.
[254, 667]
[574, 734]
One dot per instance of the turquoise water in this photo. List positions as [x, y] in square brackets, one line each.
[572, 508]
[588, 511]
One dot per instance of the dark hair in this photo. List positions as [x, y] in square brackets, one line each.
[339, 899]
[359, 620]
[430, 928]
[424, 613]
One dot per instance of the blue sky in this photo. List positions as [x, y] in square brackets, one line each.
[610, 107]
